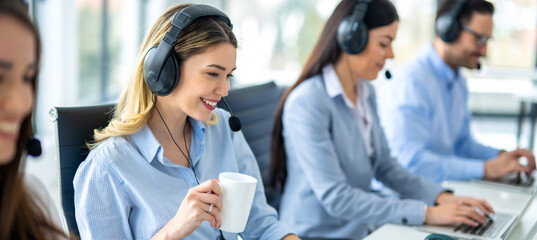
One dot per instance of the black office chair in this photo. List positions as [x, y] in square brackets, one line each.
[74, 128]
[256, 106]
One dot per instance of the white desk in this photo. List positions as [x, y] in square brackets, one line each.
[501, 199]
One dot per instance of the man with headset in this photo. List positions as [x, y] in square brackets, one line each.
[427, 119]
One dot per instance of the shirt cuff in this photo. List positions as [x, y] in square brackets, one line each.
[466, 169]
[425, 215]
[430, 200]
[415, 213]
[492, 153]
[278, 230]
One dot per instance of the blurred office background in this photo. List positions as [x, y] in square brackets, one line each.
[89, 49]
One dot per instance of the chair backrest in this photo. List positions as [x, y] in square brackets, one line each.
[74, 128]
[255, 106]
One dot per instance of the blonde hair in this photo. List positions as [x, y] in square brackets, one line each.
[136, 102]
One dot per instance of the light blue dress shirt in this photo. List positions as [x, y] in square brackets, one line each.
[127, 189]
[327, 190]
[427, 122]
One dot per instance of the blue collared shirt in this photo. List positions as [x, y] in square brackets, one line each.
[127, 189]
[329, 171]
[427, 122]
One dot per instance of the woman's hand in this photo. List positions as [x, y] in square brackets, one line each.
[290, 237]
[455, 212]
[448, 198]
[201, 203]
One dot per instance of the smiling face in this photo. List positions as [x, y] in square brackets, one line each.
[17, 71]
[466, 50]
[204, 80]
[368, 63]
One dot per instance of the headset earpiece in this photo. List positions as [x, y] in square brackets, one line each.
[165, 81]
[161, 66]
[352, 42]
[352, 32]
[448, 27]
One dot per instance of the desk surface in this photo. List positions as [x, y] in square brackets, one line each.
[500, 199]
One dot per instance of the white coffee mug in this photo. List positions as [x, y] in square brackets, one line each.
[238, 192]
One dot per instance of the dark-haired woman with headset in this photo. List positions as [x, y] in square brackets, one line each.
[152, 171]
[26, 209]
[328, 144]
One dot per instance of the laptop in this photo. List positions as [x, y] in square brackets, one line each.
[498, 227]
[513, 181]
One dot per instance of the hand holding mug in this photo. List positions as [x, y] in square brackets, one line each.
[201, 203]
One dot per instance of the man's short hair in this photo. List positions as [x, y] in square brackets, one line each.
[480, 6]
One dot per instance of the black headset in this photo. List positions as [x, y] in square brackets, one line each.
[161, 64]
[352, 32]
[33, 145]
[448, 26]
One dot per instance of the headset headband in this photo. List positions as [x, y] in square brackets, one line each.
[180, 21]
[358, 14]
[448, 26]
[352, 32]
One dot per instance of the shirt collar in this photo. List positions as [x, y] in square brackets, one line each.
[334, 88]
[150, 148]
[442, 70]
[198, 127]
[198, 133]
[147, 144]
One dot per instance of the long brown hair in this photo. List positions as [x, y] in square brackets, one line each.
[326, 50]
[21, 216]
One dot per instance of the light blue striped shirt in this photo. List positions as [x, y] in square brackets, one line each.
[127, 189]
[427, 122]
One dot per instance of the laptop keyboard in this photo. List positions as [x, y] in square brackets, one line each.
[522, 181]
[490, 229]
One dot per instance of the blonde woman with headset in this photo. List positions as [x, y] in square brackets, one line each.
[152, 171]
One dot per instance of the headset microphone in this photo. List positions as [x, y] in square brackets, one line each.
[234, 122]
[33, 147]
[388, 75]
